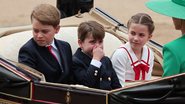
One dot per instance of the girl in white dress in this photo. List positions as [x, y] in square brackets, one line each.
[134, 60]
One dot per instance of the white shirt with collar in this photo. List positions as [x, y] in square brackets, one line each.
[122, 63]
[55, 51]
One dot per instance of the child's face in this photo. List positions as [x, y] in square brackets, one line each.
[43, 34]
[89, 44]
[138, 35]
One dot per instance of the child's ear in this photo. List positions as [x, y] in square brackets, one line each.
[80, 43]
[57, 29]
[150, 36]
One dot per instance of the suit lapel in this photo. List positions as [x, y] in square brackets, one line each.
[61, 50]
[86, 59]
[46, 55]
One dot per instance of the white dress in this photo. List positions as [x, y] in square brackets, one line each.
[127, 66]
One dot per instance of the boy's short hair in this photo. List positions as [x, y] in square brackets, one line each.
[144, 19]
[46, 14]
[91, 28]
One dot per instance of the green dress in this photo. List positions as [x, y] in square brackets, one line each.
[174, 57]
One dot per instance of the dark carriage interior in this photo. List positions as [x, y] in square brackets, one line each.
[72, 7]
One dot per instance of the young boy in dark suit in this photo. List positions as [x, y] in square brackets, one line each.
[43, 52]
[91, 68]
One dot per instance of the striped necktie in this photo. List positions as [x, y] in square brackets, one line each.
[50, 50]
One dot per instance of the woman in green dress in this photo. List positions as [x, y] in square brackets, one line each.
[173, 52]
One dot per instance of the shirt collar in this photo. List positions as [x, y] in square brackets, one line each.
[52, 44]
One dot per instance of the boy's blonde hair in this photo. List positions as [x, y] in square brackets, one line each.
[91, 28]
[144, 19]
[46, 14]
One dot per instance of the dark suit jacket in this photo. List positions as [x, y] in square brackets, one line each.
[40, 59]
[91, 76]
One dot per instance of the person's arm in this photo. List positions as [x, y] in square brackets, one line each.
[26, 57]
[87, 75]
[114, 78]
[171, 65]
[119, 61]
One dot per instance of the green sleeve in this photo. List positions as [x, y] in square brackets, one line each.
[171, 64]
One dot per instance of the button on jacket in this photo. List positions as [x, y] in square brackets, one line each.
[92, 76]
